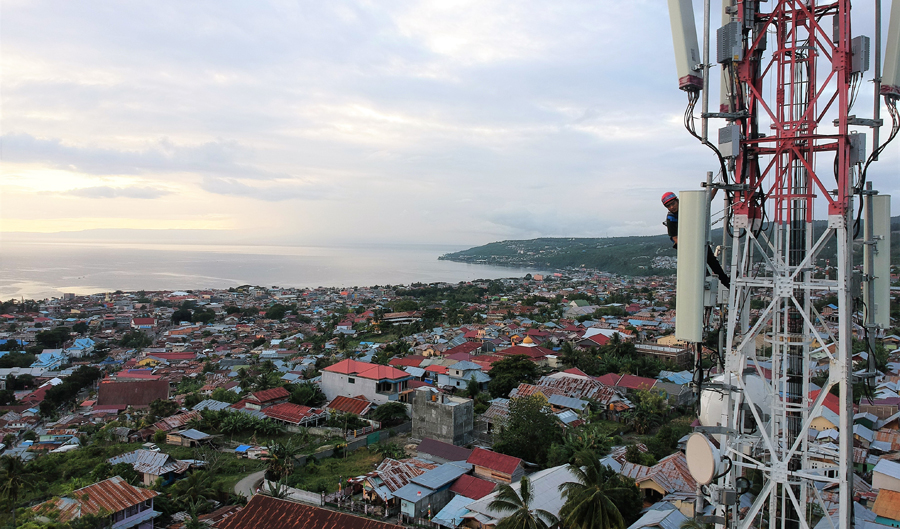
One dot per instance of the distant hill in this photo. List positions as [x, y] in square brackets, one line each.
[639, 256]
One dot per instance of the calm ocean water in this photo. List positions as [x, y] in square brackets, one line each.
[38, 270]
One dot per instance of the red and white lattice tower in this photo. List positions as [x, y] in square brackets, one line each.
[789, 156]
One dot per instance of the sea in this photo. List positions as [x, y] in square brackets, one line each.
[40, 270]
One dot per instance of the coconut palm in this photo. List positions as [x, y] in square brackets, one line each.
[587, 505]
[281, 460]
[13, 480]
[522, 516]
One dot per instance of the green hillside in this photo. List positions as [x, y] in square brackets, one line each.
[639, 256]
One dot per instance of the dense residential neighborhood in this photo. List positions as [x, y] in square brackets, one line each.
[438, 405]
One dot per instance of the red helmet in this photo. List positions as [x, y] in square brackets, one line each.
[668, 196]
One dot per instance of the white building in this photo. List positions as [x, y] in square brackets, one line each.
[377, 383]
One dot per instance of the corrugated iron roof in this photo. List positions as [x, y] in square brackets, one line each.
[108, 496]
[349, 405]
[887, 504]
[494, 461]
[265, 511]
[293, 413]
[472, 487]
[150, 462]
[177, 421]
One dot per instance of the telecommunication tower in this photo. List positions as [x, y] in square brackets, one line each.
[792, 161]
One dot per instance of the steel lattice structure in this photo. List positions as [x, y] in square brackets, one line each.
[791, 80]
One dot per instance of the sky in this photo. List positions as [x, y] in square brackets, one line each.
[307, 122]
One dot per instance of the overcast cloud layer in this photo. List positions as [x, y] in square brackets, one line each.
[455, 122]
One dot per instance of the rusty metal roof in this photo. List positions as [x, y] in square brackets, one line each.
[176, 421]
[265, 511]
[106, 497]
[150, 462]
[396, 474]
[671, 473]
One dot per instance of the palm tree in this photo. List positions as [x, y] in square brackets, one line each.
[196, 487]
[522, 516]
[13, 479]
[281, 460]
[587, 505]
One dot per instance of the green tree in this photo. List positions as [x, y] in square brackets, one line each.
[522, 515]
[307, 394]
[54, 338]
[163, 408]
[390, 413]
[508, 373]
[80, 327]
[472, 389]
[587, 503]
[282, 458]
[14, 479]
[531, 429]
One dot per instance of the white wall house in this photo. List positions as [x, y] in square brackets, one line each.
[377, 383]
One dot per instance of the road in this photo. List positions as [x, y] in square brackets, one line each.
[247, 486]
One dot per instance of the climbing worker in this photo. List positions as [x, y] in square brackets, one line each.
[670, 201]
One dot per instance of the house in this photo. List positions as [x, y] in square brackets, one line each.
[143, 323]
[459, 374]
[49, 359]
[82, 347]
[441, 452]
[342, 404]
[472, 487]
[120, 503]
[377, 383]
[428, 493]
[496, 467]
[136, 393]
[679, 355]
[295, 415]
[152, 465]
[267, 397]
[442, 417]
[669, 475]
[545, 492]
[190, 437]
[660, 519]
[265, 511]
[887, 508]
[886, 475]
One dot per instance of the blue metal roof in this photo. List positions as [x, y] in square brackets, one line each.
[442, 475]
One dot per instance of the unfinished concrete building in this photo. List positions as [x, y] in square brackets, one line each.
[442, 417]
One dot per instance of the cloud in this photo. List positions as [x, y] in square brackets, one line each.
[268, 193]
[219, 156]
[117, 192]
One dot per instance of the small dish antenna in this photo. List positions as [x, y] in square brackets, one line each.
[703, 459]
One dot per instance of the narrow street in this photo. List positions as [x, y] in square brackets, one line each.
[247, 486]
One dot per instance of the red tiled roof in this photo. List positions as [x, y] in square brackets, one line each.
[472, 487]
[289, 412]
[268, 395]
[264, 511]
[349, 405]
[366, 370]
[411, 361]
[441, 370]
[494, 461]
[144, 321]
